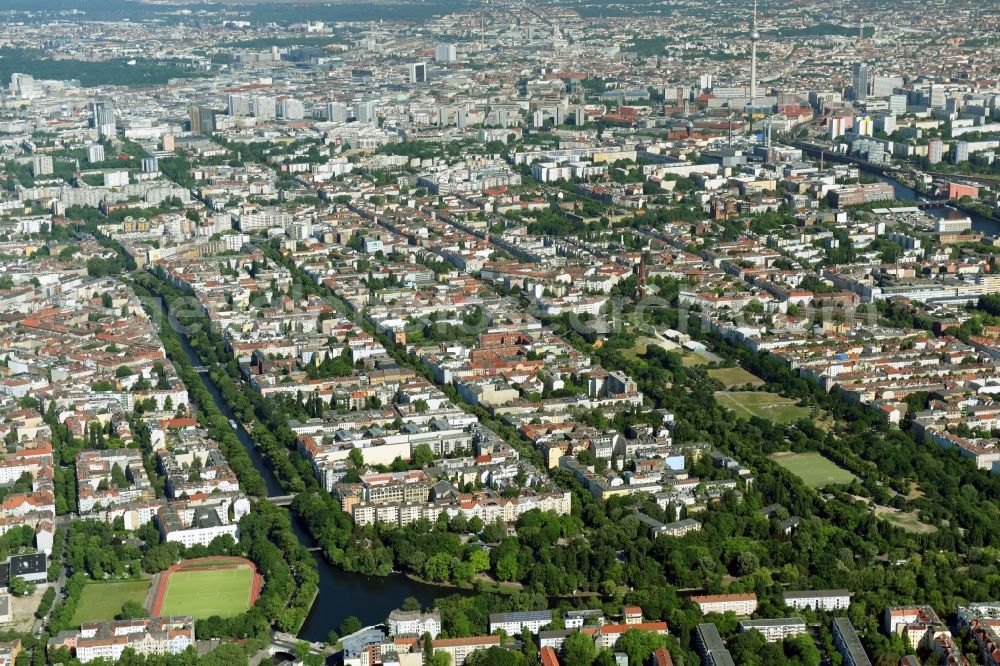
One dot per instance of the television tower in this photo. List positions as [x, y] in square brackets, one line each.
[754, 37]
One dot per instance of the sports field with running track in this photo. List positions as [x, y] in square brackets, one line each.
[203, 593]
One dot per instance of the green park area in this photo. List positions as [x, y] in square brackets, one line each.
[692, 359]
[103, 601]
[905, 520]
[813, 468]
[203, 593]
[735, 376]
[639, 348]
[774, 408]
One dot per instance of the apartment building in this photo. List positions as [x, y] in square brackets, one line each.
[412, 486]
[607, 635]
[918, 624]
[711, 647]
[853, 195]
[556, 638]
[13, 465]
[197, 468]
[741, 604]
[202, 518]
[825, 600]
[487, 506]
[575, 619]
[983, 621]
[548, 656]
[108, 640]
[776, 629]
[99, 484]
[661, 657]
[9, 651]
[460, 648]
[632, 614]
[414, 623]
[848, 644]
[514, 623]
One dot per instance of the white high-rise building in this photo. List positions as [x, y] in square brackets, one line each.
[41, 165]
[238, 105]
[292, 109]
[883, 86]
[961, 152]
[23, 85]
[263, 107]
[935, 151]
[885, 122]
[366, 111]
[836, 126]
[445, 53]
[336, 112]
[115, 178]
[95, 153]
[104, 118]
[936, 96]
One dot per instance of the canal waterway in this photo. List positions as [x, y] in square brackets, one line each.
[341, 593]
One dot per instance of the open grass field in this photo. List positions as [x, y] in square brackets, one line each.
[908, 521]
[768, 406]
[207, 592]
[102, 601]
[737, 376]
[639, 348]
[813, 468]
[691, 359]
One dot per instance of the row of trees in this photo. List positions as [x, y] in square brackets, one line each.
[289, 571]
[270, 432]
[97, 551]
[209, 415]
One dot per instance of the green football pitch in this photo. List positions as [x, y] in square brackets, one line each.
[207, 592]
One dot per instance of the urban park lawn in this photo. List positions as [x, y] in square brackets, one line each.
[813, 468]
[102, 601]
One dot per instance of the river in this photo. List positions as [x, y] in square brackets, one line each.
[904, 193]
[341, 593]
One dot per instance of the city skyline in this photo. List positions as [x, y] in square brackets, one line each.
[467, 333]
